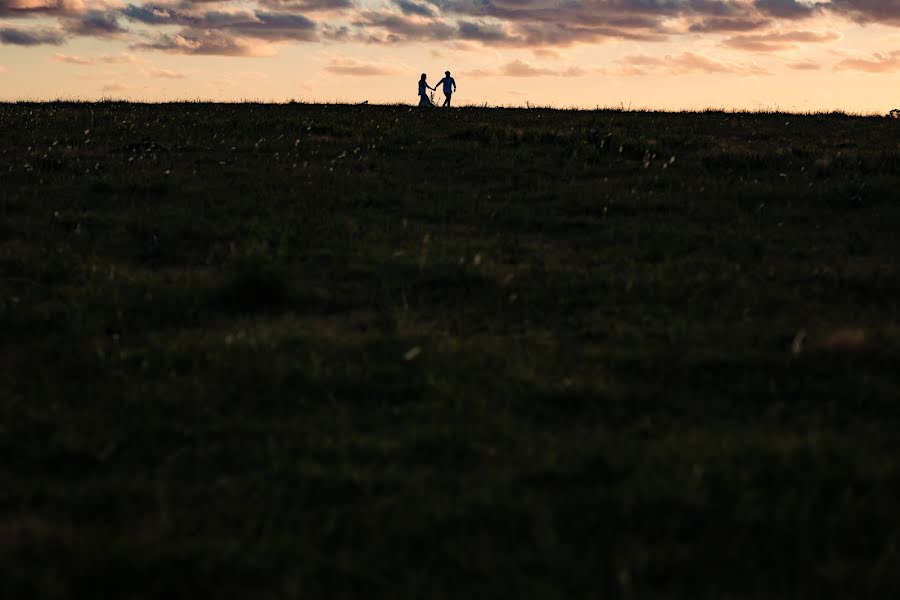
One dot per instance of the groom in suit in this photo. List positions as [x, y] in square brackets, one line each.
[449, 87]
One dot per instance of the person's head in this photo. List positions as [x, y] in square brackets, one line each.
[447, 73]
[423, 77]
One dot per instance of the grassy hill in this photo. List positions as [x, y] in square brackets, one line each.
[310, 351]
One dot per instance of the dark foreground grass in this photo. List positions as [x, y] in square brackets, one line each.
[360, 352]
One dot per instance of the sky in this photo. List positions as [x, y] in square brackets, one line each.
[663, 54]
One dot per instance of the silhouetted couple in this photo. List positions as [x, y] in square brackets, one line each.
[449, 88]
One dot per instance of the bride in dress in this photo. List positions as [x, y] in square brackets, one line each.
[424, 100]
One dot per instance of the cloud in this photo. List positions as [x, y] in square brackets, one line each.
[206, 43]
[31, 37]
[773, 42]
[28, 8]
[257, 24]
[353, 66]
[546, 53]
[787, 9]
[588, 13]
[683, 64]
[95, 23]
[226, 33]
[517, 68]
[121, 59]
[397, 28]
[867, 11]
[877, 63]
[716, 25]
[157, 15]
[260, 27]
[307, 5]
[541, 23]
[413, 8]
[277, 26]
[805, 66]
[482, 32]
[525, 26]
[24, 9]
[564, 34]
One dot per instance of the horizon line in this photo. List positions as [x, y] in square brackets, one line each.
[485, 105]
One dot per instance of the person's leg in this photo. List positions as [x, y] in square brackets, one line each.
[447, 100]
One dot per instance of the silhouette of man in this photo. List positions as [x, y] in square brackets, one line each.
[449, 87]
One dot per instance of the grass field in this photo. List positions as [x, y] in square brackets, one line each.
[310, 351]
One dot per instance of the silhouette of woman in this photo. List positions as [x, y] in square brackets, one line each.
[424, 100]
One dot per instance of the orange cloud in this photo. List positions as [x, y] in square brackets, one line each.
[805, 66]
[207, 42]
[352, 66]
[773, 42]
[121, 59]
[546, 53]
[682, 64]
[517, 68]
[878, 63]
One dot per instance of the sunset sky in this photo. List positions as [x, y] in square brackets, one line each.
[670, 54]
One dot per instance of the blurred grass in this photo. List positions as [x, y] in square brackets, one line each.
[334, 351]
